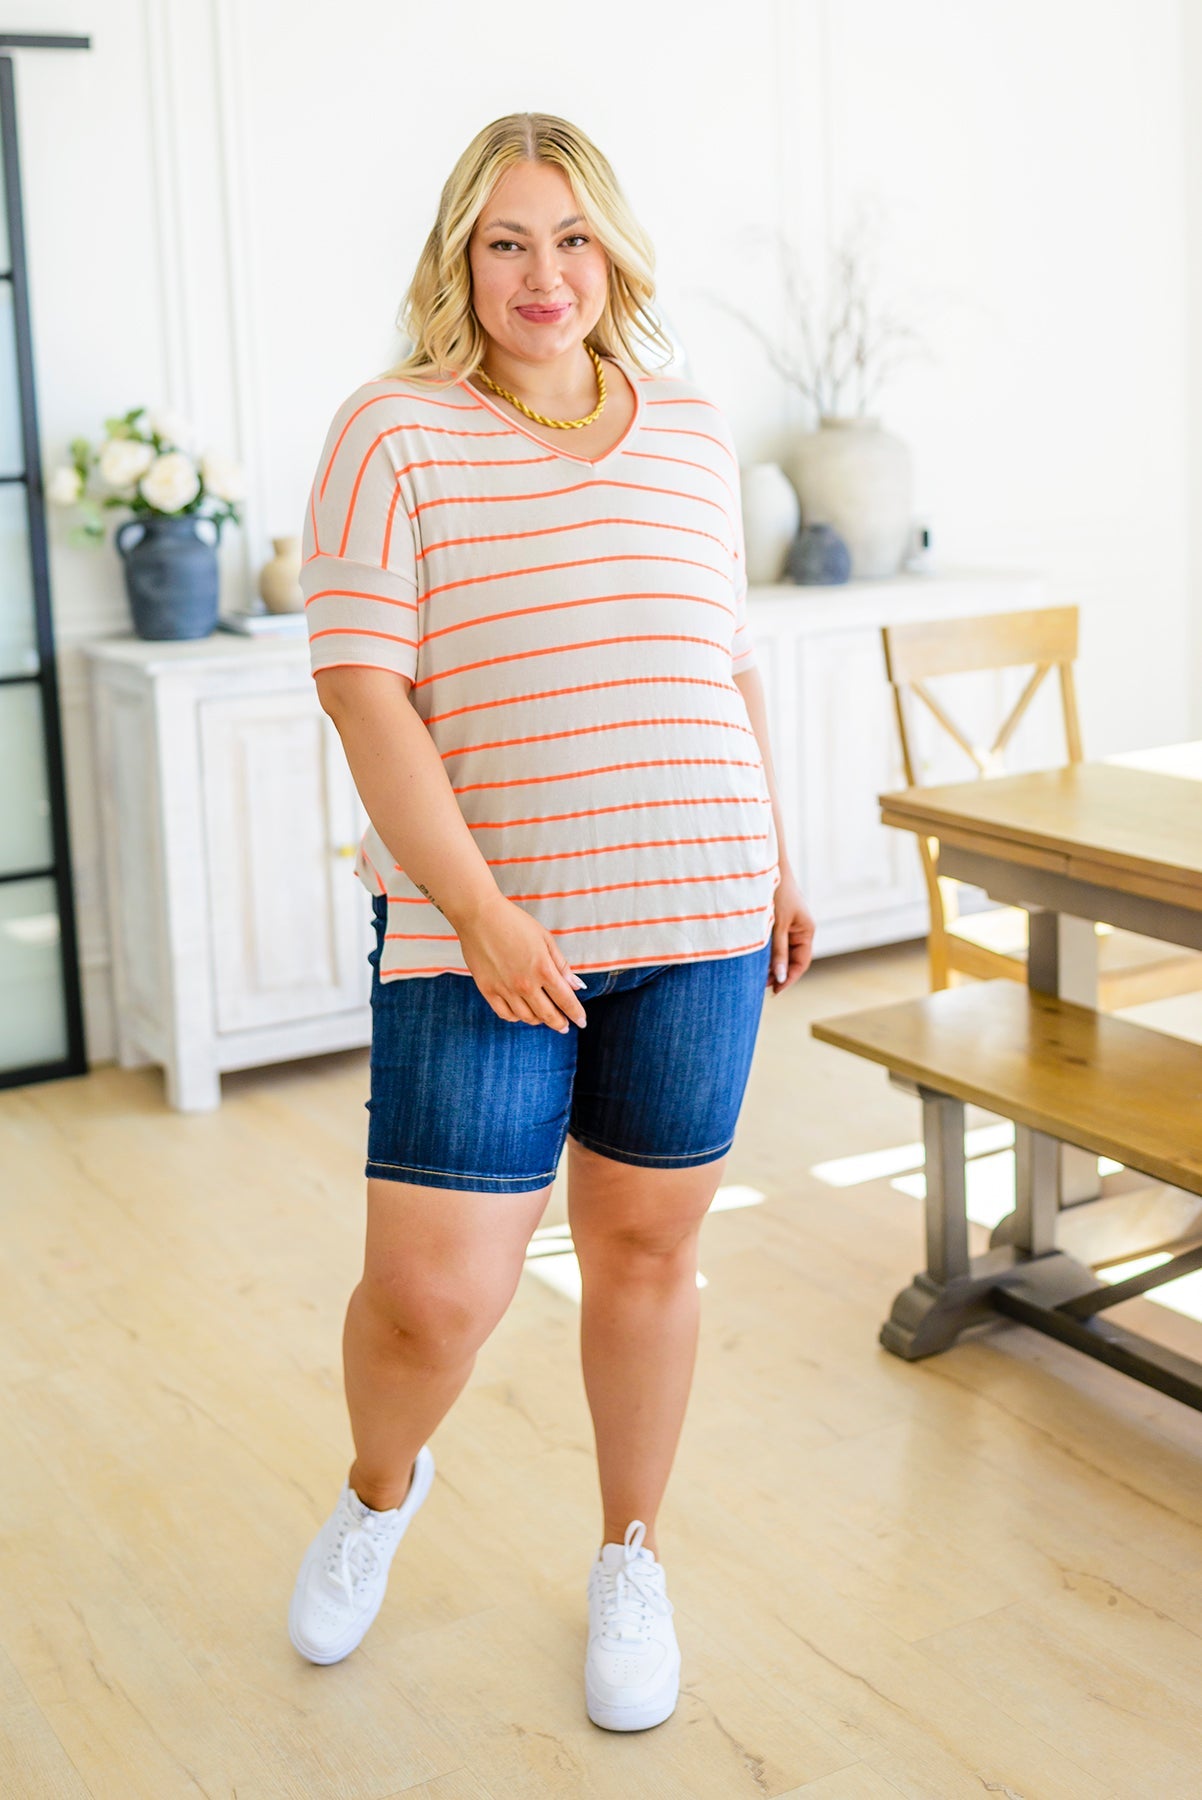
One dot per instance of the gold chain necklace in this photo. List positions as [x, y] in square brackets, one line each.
[562, 424]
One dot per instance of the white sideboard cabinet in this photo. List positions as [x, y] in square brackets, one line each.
[239, 934]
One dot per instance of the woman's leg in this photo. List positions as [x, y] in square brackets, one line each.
[440, 1268]
[635, 1234]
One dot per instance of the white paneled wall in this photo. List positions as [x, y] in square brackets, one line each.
[1191, 85]
[225, 200]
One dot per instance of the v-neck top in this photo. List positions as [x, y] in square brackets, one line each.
[592, 462]
[571, 627]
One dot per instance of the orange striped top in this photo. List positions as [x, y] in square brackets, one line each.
[571, 627]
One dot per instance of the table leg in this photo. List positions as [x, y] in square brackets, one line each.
[1036, 1173]
[1062, 959]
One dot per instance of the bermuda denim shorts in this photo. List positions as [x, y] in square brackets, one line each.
[461, 1098]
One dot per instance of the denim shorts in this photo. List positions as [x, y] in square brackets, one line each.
[461, 1098]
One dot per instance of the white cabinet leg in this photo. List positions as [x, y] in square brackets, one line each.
[192, 1086]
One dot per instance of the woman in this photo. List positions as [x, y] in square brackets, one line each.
[526, 605]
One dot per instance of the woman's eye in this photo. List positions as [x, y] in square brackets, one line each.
[508, 243]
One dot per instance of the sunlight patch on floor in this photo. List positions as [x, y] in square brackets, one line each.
[874, 1165]
[988, 1187]
[989, 1150]
[988, 1183]
[728, 1198]
[989, 1196]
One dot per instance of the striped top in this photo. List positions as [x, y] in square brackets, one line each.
[571, 627]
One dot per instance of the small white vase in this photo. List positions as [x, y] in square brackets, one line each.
[279, 579]
[860, 479]
[771, 515]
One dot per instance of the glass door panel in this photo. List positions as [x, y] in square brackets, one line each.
[6, 247]
[6, 257]
[18, 619]
[33, 1017]
[11, 451]
[25, 838]
[41, 1020]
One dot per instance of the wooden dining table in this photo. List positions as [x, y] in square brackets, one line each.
[1093, 844]
[1117, 841]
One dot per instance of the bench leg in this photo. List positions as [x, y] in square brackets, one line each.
[951, 1293]
[946, 1209]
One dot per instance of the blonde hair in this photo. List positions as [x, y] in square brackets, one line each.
[436, 312]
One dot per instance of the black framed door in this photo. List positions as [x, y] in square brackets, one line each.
[41, 1014]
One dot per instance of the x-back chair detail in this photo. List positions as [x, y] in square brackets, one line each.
[1131, 969]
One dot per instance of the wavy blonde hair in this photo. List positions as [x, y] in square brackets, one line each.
[436, 313]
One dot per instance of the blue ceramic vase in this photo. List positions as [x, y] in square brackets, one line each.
[170, 575]
[818, 557]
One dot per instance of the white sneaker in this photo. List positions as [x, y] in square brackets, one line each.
[342, 1580]
[632, 1670]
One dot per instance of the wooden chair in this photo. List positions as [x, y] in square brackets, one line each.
[1131, 969]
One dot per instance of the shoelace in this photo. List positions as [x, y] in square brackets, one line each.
[354, 1556]
[631, 1592]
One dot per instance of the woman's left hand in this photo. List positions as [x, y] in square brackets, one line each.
[792, 936]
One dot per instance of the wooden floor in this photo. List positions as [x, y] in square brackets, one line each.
[976, 1575]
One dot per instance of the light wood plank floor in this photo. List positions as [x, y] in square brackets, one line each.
[976, 1575]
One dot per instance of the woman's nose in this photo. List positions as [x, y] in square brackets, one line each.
[543, 277]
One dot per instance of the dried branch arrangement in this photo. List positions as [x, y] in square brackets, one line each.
[838, 356]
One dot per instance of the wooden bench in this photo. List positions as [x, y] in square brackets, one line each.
[1063, 1074]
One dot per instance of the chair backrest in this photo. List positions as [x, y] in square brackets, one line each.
[916, 653]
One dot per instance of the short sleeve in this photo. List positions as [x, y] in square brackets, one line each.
[742, 649]
[358, 561]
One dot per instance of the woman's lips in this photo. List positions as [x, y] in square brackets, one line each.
[543, 314]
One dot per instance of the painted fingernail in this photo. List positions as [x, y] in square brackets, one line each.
[779, 971]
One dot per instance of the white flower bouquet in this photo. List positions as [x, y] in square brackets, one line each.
[151, 463]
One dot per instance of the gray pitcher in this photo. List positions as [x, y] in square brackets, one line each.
[170, 575]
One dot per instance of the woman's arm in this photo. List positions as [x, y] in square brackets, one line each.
[403, 784]
[793, 929]
[516, 963]
[752, 690]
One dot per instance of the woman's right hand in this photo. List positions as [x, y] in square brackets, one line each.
[518, 966]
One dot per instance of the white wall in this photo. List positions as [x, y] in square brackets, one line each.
[225, 199]
[1191, 86]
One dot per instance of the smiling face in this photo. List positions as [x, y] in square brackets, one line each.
[531, 248]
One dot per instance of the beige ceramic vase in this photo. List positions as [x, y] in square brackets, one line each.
[854, 476]
[279, 579]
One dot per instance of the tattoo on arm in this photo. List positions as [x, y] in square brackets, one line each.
[429, 897]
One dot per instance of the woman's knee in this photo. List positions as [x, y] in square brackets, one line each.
[440, 1268]
[436, 1314]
